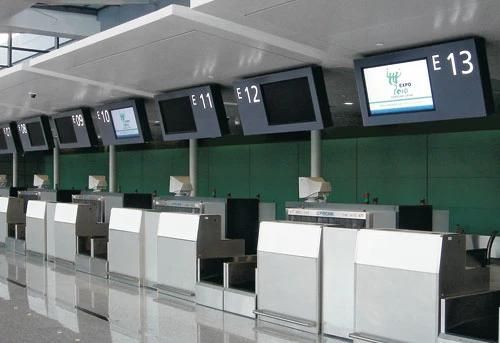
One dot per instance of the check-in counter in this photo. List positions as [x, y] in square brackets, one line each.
[36, 228]
[151, 220]
[239, 286]
[70, 222]
[417, 217]
[12, 220]
[183, 241]
[126, 246]
[51, 243]
[338, 280]
[401, 278]
[289, 275]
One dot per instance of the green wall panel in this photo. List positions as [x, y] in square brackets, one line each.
[393, 169]
[229, 170]
[274, 172]
[339, 167]
[159, 165]
[74, 169]
[456, 171]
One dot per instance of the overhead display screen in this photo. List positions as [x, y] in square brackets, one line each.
[74, 129]
[192, 113]
[125, 123]
[35, 134]
[122, 123]
[439, 82]
[65, 131]
[177, 115]
[288, 101]
[284, 105]
[9, 140]
[408, 89]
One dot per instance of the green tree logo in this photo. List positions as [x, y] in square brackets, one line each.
[393, 77]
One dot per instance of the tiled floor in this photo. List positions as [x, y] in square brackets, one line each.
[43, 303]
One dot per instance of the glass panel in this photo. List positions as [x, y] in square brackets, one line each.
[31, 41]
[3, 56]
[4, 38]
[63, 40]
[19, 55]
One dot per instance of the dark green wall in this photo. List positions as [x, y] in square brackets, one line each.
[455, 171]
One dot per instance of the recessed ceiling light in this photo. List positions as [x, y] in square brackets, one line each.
[379, 44]
[348, 103]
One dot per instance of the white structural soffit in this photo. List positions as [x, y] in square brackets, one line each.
[52, 23]
[171, 48]
[53, 93]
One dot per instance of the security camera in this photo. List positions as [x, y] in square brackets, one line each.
[32, 95]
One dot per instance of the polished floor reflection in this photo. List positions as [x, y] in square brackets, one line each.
[41, 302]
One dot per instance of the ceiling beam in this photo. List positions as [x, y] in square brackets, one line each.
[53, 23]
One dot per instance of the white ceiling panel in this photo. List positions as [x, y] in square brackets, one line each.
[175, 47]
[345, 29]
[53, 94]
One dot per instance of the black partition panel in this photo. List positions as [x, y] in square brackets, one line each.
[418, 217]
[242, 222]
[138, 200]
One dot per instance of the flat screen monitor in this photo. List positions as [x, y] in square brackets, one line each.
[288, 101]
[122, 123]
[9, 140]
[35, 134]
[438, 82]
[177, 115]
[192, 113]
[399, 88]
[125, 123]
[74, 129]
[65, 130]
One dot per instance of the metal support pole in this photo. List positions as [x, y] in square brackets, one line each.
[112, 168]
[56, 167]
[315, 153]
[193, 168]
[14, 170]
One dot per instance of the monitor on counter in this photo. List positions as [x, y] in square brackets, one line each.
[74, 129]
[35, 134]
[9, 139]
[438, 82]
[289, 101]
[192, 113]
[122, 123]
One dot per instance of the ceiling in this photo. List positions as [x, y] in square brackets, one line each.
[223, 40]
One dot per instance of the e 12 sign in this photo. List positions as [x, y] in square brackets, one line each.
[431, 83]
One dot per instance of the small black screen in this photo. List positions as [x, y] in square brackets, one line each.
[35, 134]
[65, 130]
[177, 115]
[288, 102]
[3, 140]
